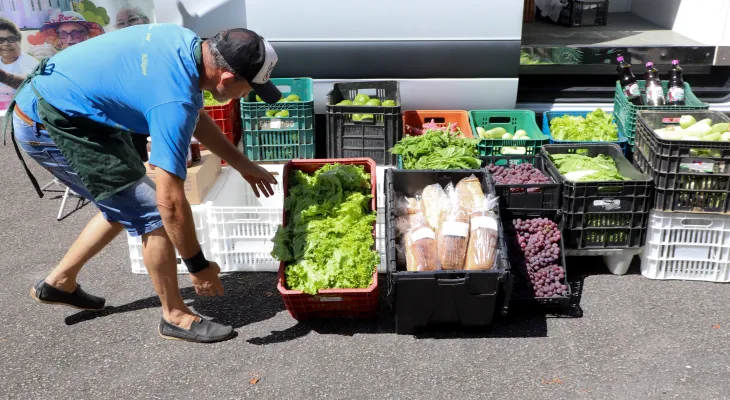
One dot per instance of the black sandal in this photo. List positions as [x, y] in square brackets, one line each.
[47, 294]
[202, 331]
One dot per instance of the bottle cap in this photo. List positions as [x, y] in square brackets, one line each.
[649, 64]
[620, 58]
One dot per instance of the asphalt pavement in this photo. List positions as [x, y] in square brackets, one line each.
[636, 339]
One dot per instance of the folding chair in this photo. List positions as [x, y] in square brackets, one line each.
[67, 192]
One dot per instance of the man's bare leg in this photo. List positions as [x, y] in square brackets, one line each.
[159, 257]
[96, 235]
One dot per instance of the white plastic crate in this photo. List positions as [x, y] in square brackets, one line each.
[235, 228]
[241, 226]
[135, 243]
[687, 246]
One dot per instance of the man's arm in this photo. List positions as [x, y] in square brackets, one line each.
[11, 80]
[209, 134]
[176, 213]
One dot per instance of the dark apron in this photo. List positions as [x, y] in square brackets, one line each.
[104, 157]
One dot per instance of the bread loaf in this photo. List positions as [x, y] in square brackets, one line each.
[483, 235]
[470, 193]
[453, 232]
[432, 203]
[421, 247]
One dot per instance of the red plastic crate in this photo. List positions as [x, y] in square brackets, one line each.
[416, 119]
[358, 303]
[228, 118]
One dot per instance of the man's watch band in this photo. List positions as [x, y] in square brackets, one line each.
[196, 263]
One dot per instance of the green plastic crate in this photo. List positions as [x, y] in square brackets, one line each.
[625, 111]
[280, 138]
[511, 121]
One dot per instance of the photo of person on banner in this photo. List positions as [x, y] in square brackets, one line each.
[12, 59]
[68, 28]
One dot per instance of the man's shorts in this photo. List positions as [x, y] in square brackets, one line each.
[134, 207]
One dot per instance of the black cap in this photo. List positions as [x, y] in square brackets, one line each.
[251, 58]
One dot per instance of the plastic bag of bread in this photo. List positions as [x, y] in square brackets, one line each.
[453, 232]
[483, 235]
[420, 245]
[470, 192]
[433, 199]
[406, 209]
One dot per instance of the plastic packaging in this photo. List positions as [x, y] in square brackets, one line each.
[433, 199]
[421, 247]
[453, 232]
[470, 193]
[482, 248]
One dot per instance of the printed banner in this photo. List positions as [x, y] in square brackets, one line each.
[46, 27]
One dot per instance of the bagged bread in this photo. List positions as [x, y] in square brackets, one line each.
[433, 199]
[483, 235]
[408, 205]
[420, 245]
[453, 232]
[470, 192]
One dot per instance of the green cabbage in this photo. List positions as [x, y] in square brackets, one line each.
[597, 126]
[328, 242]
[580, 168]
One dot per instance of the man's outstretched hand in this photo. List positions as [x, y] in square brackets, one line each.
[259, 178]
[207, 282]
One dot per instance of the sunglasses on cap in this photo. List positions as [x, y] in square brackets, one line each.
[9, 39]
[74, 34]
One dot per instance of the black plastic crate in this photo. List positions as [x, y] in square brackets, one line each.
[689, 176]
[625, 219]
[349, 138]
[440, 298]
[610, 214]
[579, 13]
[601, 238]
[521, 287]
[526, 196]
[680, 192]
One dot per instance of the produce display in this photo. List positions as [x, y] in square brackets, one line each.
[451, 229]
[501, 133]
[328, 239]
[597, 126]
[535, 257]
[520, 174]
[364, 100]
[580, 168]
[433, 147]
[691, 129]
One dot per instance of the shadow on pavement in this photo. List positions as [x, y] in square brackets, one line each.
[252, 297]
[249, 298]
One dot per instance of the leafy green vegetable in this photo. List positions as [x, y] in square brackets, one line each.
[208, 99]
[580, 168]
[328, 241]
[438, 149]
[597, 126]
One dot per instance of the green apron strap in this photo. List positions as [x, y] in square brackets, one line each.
[198, 53]
[8, 123]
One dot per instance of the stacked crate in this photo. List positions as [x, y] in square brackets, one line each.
[689, 226]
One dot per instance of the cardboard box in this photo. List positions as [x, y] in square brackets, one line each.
[201, 176]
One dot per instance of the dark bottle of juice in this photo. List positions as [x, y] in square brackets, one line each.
[675, 88]
[628, 82]
[654, 91]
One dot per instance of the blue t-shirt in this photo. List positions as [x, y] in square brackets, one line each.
[143, 78]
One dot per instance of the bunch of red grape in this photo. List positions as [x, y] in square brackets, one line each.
[539, 238]
[520, 174]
